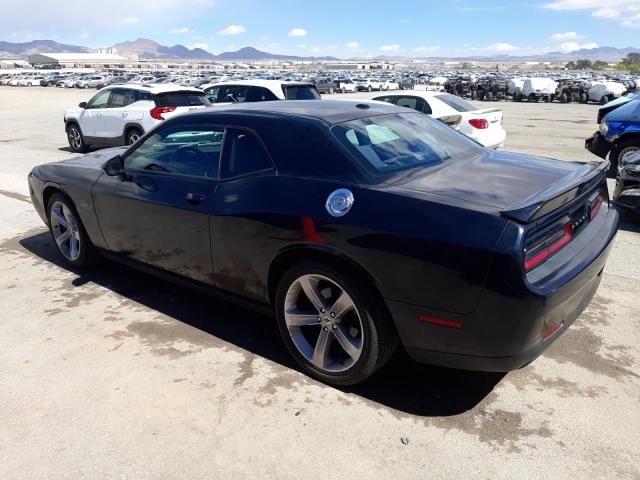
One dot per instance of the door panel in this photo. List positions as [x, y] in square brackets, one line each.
[161, 220]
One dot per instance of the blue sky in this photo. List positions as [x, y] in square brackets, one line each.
[351, 28]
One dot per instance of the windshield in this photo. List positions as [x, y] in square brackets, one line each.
[386, 144]
[458, 104]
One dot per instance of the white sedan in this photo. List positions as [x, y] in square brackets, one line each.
[482, 125]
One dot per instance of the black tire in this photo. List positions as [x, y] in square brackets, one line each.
[547, 99]
[604, 100]
[584, 98]
[133, 135]
[489, 96]
[331, 91]
[344, 90]
[619, 150]
[369, 88]
[87, 253]
[76, 138]
[564, 98]
[381, 337]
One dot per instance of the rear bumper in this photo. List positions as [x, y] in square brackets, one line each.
[491, 137]
[505, 332]
[598, 145]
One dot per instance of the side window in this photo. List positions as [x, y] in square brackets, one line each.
[180, 149]
[212, 94]
[415, 103]
[121, 97]
[239, 93]
[142, 95]
[243, 153]
[260, 94]
[387, 98]
[100, 100]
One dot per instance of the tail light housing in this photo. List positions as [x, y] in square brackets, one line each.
[595, 206]
[542, 249]
[158, 111]
[479, 123]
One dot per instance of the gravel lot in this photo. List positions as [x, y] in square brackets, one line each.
[114, 374]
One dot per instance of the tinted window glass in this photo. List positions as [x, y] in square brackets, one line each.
[301, 92]
[239, 94]
[142, 95]
[212, 94]
[121, 97]
[388, 99]
[100, 100]
[415, 103]
[181, 149]
[260, 94]
[181, 99]
[458, 104]
[388, 143]
[243, 153]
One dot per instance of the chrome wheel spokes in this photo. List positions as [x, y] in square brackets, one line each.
[65, 231]
[324, 323]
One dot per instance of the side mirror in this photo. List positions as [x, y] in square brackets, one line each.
[82, 105]
[114, 166]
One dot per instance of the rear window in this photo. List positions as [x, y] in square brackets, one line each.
[301, 92]
[458, 104]
[386, 144]
[181, 99]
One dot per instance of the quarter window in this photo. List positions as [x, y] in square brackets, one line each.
[415, 103]
[243, 153]
[180, 149]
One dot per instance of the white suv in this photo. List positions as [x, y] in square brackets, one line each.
[259, 91]
[121, 114]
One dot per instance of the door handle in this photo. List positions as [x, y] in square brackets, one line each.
[124, 114]
[195, 198]
[98, 114]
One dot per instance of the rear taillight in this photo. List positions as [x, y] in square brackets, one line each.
[596, 205]
[479, 123]
[542, 250]
[158, 111]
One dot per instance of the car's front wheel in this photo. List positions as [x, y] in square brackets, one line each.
[75, 138]
[623, 148]
[334, 325]
[68, 233]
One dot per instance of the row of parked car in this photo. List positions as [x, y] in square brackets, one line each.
[536, 89]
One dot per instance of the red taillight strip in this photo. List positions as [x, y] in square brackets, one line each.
[597, 204]
[551, 331]
[440, 321]
[551, 249]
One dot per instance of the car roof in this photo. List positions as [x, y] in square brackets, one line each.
[157, 87]
[257, 83]
[327, 111]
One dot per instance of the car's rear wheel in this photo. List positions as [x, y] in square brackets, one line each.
[68, 233]
[75, 138]
[333, 325]
[344, 90]
[133, 135]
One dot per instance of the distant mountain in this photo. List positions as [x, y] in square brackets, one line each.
[250, 53]
[23, 50]
[148, 49]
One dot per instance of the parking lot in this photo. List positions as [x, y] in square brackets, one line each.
[115, 374]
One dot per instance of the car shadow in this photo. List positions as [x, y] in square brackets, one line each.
[69, 150]
[402, 385]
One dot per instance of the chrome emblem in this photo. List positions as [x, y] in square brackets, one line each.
[339, 202]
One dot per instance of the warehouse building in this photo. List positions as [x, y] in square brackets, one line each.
[81, 60]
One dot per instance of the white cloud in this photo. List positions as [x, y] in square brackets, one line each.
[232, 30]
[129, 20]
[353, 45]
[298, 32]
[501, 47]
[625, 11]
[568, 47]
[606, 13]
[564, 37]
[181, 30]
[390, 48]
[203, 46]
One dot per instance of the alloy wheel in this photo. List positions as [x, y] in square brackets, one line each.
[65, 231]
[75, 139]
[324, 323]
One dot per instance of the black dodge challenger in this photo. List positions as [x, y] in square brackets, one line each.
[360, 225]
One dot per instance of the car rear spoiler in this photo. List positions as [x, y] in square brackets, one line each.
[549, 200]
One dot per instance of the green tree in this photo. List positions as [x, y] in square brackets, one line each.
[631, 59]
[571, 65]
[583, 64]
[600, 65]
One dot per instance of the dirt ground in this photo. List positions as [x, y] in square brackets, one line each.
[114, 374]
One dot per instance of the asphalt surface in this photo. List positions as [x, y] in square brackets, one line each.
[113, 374]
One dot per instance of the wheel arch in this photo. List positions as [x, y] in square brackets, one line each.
[48, 191]
[299, 253]
[130, 126]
